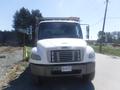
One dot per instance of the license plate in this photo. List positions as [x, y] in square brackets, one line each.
[66, 68]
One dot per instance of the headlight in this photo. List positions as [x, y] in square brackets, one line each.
[35, 57]
[91, 55]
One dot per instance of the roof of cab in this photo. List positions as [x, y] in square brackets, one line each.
[61, 19]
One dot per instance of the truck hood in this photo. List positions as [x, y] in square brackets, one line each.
[61, 42]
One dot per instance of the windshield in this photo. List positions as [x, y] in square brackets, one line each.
[59, 30]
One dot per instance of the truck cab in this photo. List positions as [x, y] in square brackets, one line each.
[61, 50]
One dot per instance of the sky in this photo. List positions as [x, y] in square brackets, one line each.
[90, 12]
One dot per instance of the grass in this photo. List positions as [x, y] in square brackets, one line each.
[13, 73]
[108, 50]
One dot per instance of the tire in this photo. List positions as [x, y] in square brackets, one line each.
[35, 79]
[88, 77]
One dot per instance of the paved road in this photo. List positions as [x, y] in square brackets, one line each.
[107, 78]
[107, 73]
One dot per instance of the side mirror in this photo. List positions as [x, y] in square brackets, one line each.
[87, 32]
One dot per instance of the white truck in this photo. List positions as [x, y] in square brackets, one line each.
[61, 50]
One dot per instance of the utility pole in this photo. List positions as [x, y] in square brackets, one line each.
[102, 37]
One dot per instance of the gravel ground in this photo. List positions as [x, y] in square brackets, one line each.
[8, 57]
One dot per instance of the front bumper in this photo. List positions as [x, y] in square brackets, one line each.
[55, 70]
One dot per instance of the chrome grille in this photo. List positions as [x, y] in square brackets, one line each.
[65, 55]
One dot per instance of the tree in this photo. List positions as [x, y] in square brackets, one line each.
[35, 18]
[108, 37]
[100, 38]
[22, 19]
[35, 14]
[116, 37]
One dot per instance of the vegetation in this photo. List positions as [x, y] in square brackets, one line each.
[110, 50]
[109, 37]
[113, 41]
[22, 19]
[25, 20]
[13, 73]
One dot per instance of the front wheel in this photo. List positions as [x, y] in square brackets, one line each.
[38, 80]
[88, 77]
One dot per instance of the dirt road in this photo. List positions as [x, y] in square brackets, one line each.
[8, 57]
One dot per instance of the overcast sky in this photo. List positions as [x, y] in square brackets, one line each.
[90, 12]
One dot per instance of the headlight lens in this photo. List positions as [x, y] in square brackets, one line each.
[91, 55]
[35, 57]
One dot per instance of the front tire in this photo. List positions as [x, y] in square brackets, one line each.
[36, 79]
[88, 77]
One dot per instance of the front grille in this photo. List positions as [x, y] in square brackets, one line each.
[65, 56]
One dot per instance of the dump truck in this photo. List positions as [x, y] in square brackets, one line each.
[61, 51]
